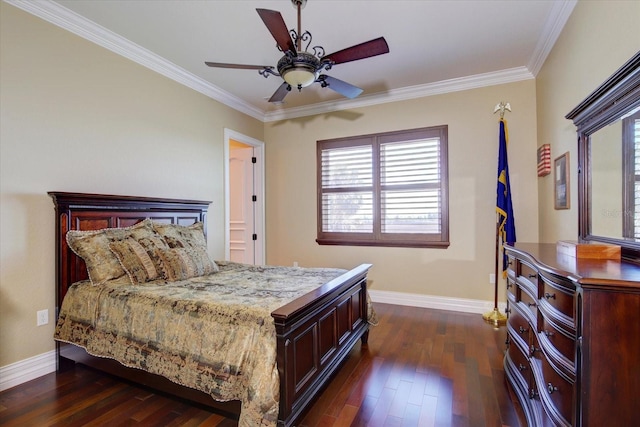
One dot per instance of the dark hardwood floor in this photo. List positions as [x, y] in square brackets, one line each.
[422, 367]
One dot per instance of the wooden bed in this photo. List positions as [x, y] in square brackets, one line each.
[315, 332]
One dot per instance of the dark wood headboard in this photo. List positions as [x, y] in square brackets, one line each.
[78, 211]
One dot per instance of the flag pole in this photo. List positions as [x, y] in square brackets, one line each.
[495, 317]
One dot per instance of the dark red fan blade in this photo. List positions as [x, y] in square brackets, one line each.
[342, 87]
[278, 29]
[360, 51]
[239, 66]
[280, 93]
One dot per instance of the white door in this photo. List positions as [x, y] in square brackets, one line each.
[246, 180]
[242, 232]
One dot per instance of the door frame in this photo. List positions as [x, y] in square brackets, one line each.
[259, 214]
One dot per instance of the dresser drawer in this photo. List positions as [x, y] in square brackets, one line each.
[535, 351]
[529, 274]
[511, 266]
[558, 346]
[556, 393]
[512, 287]
[529, 303]
[521, 364]
[561, 299]
[519, 327]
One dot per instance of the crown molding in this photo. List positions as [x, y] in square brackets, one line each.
[558, 17]
[62, 17]
[420, 91]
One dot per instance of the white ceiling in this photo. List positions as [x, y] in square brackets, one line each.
[435, 46]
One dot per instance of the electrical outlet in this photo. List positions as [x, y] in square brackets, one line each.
[43, 317]
[295, 263]
[492, 278]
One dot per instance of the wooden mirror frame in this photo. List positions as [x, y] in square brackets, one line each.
[617, 96]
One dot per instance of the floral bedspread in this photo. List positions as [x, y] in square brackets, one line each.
[213, 333]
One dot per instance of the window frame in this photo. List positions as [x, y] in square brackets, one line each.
[377, 238]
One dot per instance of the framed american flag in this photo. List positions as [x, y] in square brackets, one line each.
[544, 160]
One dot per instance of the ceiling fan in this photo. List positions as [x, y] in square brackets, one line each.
[300, 68]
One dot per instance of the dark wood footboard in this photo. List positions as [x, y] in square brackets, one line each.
[315, 332]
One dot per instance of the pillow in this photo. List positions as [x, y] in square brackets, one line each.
[135, 260]
[93, 247]
[152, 244]
[191, 238]
[180, 236]
[184, 263]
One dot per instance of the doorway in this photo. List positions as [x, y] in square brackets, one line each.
[244, 198]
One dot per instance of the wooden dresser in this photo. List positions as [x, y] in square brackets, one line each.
[573, 338]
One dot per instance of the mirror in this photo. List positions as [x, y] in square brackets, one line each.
[606, 175]
[608, 126]
[615, 162]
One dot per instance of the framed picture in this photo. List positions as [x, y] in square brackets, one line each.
[561, 181]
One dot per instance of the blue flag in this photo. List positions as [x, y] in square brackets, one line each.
[504, 207]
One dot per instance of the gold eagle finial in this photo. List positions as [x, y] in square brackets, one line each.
[502, 107]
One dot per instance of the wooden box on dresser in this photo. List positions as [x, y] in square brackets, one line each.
[573, 337]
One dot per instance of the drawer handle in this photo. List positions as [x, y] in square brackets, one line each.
[547, 295]
[551, 388]
[522, 330]
[548, 333]
[521, 367]
[533, 393]
[510, 262]
[532, 350]
[509, 284]
[532, 276]
[531, 304]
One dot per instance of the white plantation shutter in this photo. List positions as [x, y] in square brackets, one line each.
[631, 176]
[410, 186]
[384, 190]
[347, 183]
[636, 211]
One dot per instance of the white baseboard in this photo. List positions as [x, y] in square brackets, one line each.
[431, 301]
[27, 370]
[37, 366]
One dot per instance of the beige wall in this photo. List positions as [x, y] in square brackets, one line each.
[462, 270]
[598, 38]
[76, 117]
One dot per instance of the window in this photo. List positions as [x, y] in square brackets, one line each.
[387, 189]
[631, 175]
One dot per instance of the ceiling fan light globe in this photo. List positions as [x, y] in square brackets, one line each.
[299, 77]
